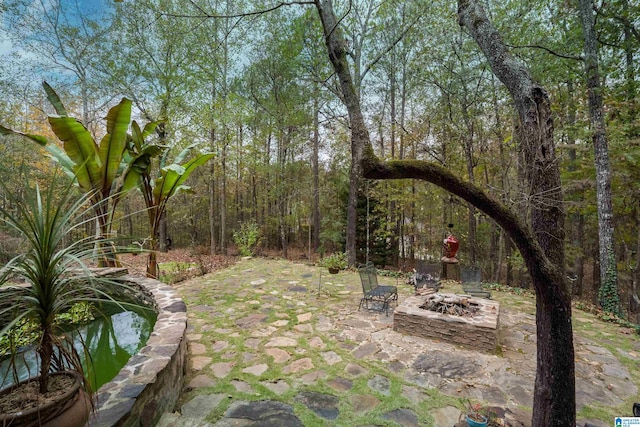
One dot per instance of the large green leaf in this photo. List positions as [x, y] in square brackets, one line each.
[81, 149]
[150, 127]
[61, 157]
[174, 175]
[37, 138]
[136, 169]
[54, 99]
[138, 135]
[139, 166]
[55, 152]
[114, 142]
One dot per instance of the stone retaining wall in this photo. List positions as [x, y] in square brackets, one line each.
[151, 381]
[475, 333]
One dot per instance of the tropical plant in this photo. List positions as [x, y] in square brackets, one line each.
[95, 167]
[156, 192]
[56, 277]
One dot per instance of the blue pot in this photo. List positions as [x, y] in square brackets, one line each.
[473, 423]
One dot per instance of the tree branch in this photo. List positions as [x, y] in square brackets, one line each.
[204, 14]
[546, 49]
[439, 175]
[389, 48]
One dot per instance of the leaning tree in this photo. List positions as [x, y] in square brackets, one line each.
[540, 243]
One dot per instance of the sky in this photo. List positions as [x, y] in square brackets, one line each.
[92, 6]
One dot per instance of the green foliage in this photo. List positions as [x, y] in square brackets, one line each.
[95, 167]
[373, 230]
[56, 275]
[26, 333]
[157, 192]
[608, 292]
[80, 314]
[335, 260]
[247, 238]
[606, 316]
[510, 289]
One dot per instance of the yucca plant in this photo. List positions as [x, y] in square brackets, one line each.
[56, 273]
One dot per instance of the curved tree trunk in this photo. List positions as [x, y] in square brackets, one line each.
[554, 399]
[554, 395]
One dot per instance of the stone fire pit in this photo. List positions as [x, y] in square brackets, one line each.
[477, 332]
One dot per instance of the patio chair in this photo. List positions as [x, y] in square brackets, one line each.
[379, 295]
[426, 275]
[472, 282]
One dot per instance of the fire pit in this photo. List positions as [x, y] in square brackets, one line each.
[457, 319]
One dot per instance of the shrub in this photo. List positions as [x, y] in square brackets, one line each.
[247, 238]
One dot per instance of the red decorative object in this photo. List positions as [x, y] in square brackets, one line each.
[451, 246]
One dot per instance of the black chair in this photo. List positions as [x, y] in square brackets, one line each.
[379, 295]
[472, 282]
[636, 409]
[426, 275]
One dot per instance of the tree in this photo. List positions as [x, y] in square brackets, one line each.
[158, 191]
[64, 40]
[608, 293]
[554, 398]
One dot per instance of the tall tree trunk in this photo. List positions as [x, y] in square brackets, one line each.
[359, 131]
[212, 201]
[315, 213]
[577, 218]
[163, 235]
[222, 206]
[579, 262]
[634, 300]
[630, 74]
[554, 399]
[468, 151]
[608, 292]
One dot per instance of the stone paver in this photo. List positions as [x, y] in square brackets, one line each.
[197, 348]
[325, 405]
[279, 355]
[256, 370]
[364, 403]
[200, 406]
[340, 384]
[202, 381]
[263, 330]
[282, 342]
[331, 357]
[278, 387]
[299, 365]
[222, 369]
[198, 363]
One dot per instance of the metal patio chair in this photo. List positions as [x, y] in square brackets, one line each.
[472, 282]
[378, 295]
[426, 275]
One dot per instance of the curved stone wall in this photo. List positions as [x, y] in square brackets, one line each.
[151, 381]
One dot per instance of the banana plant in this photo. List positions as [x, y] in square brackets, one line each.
[96, 167]
[158, 191]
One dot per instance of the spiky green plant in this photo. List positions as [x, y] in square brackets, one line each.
[56, 273]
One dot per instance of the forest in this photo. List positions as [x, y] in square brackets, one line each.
[251, 83]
